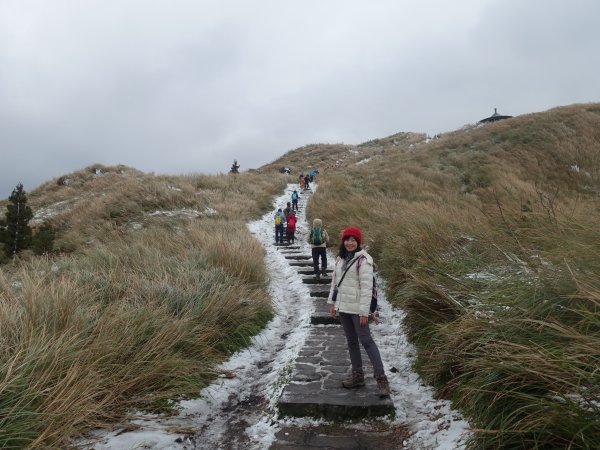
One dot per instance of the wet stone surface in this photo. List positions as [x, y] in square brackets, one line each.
[337, 436]
[316, 390]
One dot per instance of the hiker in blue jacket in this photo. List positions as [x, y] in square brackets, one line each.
[279, 222]
[295, 200]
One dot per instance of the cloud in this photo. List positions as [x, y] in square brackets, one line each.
[187, 86]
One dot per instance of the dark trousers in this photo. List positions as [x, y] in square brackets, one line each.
[322, 252]
[290, 236]
[295, 204]
[279, 233]
[356, 334]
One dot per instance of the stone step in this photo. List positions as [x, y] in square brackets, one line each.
[307, 263]
[315, 389]
[291, 251]
[299, 257]
[378, 435]
[319, 290]
[290, 248]
[312, 272]
[320, 315]
[324, 279]
[280, 244]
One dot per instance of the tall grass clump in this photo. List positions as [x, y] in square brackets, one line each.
[138, 312]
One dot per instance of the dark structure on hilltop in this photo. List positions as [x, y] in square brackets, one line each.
[494, 117]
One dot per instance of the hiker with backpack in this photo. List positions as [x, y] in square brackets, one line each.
[291, 226]
[279, 221]
[286, 211]
[307, 182]
[295, 200]
[350, 297]
[318, 239]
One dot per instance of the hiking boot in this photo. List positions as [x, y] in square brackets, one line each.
[383, 386]
[318, 276]
[354, 380]
[324, 271]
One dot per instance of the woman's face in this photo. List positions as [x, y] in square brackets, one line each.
[350, 244]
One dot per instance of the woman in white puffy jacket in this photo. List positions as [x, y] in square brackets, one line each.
[350, 297]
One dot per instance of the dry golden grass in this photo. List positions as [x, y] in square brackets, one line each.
[136, 308]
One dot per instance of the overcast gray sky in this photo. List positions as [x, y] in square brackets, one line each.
[186, 86]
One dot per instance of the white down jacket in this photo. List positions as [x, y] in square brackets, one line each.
[354, 293]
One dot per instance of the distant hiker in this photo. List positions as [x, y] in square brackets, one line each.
[291, 226]
[350, 296]
[295, 200]
[286, 211]
[307, 182]
[312, 175]
[234, 167]
[301, 181]
[318, 239]
[279, 221]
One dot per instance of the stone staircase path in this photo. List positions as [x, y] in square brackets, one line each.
[315, 388]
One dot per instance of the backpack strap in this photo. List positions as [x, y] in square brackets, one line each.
[346, 271]
[371, 314]
[359, 263]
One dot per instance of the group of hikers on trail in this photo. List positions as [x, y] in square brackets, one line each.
[305, 180]
[351, 298]
[286, 220]
[352, 295]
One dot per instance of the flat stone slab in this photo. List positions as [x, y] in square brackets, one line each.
[315, 389]
[311, 272]
[379, 435]
[324, 279]
[299, 257]
[307, 263]
[319, 290]
[320, 315]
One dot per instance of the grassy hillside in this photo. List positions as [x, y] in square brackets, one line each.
[489, 238]
[154, 281]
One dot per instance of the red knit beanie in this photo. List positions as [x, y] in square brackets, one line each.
[354, 232]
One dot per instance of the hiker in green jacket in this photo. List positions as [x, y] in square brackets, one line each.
[318, 239]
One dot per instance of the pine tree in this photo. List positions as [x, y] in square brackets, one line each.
[43, 240]
[2, 236]
[17, 234]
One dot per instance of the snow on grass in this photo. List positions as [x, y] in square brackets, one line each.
[52, 210]
[184, 212]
